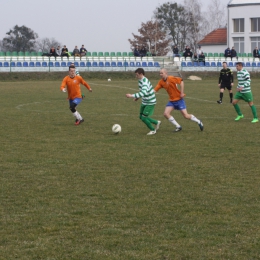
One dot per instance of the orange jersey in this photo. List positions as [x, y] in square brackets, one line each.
[73, 86]
[170, 85]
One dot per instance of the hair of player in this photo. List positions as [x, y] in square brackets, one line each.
[239, 63]
[72, 67]
[224, 62]
[140, 71]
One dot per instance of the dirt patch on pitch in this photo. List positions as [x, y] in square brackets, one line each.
[194, 78]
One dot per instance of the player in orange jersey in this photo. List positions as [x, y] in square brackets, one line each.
[72, 81]
[176, 101]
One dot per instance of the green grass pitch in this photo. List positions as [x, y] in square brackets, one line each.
[81, 192]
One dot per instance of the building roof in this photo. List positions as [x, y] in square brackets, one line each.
[216, 37]
[242, 2]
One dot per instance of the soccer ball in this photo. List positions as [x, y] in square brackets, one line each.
[109, 80]
[116, 128]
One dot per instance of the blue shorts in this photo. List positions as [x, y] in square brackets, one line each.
[75, 101]
[178, 105]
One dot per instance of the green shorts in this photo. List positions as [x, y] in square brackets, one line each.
[146, 110]
[247, 97]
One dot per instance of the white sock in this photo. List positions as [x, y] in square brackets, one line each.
[77, 115]
[173, 121]
[195, 119]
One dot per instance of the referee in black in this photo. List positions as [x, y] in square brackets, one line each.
[225, 81]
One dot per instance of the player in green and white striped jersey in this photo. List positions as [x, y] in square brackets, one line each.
[147, 94]
[244, 92]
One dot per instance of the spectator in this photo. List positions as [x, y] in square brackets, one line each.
[256, 53]
[233, 53]
[64, 51]
[175, 51]
[227, 53]
[202, 57]
[83, 51]
[58, 51]
[136, 52]
[187, 52]
[195, 57]
[143, 51]
[52, 52]
[199, 51]
[76, 52]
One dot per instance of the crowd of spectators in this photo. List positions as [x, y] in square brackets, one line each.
[140, 51]
[64, 52]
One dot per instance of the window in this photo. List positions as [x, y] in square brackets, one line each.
[239, 25]
[239, 44]
[255, 24]
[255, 42]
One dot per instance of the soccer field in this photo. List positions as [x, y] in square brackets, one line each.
[81, 192]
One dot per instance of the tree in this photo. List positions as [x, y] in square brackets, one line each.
[215, 17]
[171, 18]
[20, 39]
[153, 37]
[44, 44]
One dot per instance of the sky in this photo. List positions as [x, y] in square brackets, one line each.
[101, 25]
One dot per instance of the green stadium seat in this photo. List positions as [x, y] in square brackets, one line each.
[244, 55]
[88, 54]
[2, 53]
[250, 55]
[205, 54]
[14, 53]
[20, 53]
[8, 53]
[112, 54]
[215, 54]
[221, 54]
[239, 54]
[33, 53]
[149, 54]
[130, 54]
[94, 54]
[100, 54]
[106, 54]
[118, 54]
[39, 53]
[124, 54]
[210, 54]
[27, 53]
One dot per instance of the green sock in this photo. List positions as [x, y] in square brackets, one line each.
[147, 122]
[153, 121]
[237, 108]
[253, 108]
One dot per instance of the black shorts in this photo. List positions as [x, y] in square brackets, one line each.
[226, 86]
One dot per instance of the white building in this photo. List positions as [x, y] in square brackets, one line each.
[243, 25]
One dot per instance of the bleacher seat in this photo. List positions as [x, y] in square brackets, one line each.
[150, 64]
[118, 54]
[207, 64]
[94, 54]
[39, 53]
[113, 64]
[132, 64]
[253, 64]
[101, 64]
[31, 64]
[2, 54]
[88, 54]
[144, 64]
[51, 64]
[219, 64]
[1, 64]
[14, 53]
[82, 64]
[210, 54]
[119, 64]
[106, 54]
[88, 64]
[126, 64]
[248, 64]
[94, 64]
[258, 64]
[156, 64]
[107, 64]
[213, 64]
[44, 64]
[38, 64]
[124, 54]
[57, 64]
[138, 64]
[100, 54]
[130, 54]
[195, 64]
[201, 63]
[189, 64]
[63, 64]
[76, 63]
[25, 64]
[6, 64]
[183, 64]
[13, 64]
[19, 64]
[112, 54]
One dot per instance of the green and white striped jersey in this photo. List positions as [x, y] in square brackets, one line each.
[244, 81]
[146, 92]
